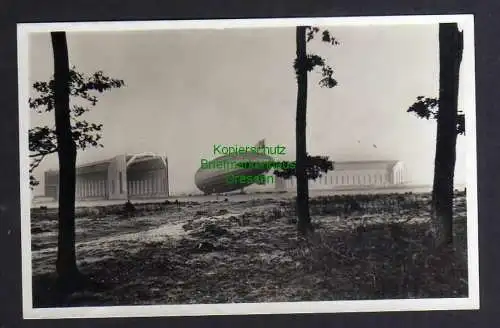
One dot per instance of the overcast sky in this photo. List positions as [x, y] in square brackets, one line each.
[189, 89]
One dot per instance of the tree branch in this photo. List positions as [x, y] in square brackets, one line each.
[43, 139]
[43, 153]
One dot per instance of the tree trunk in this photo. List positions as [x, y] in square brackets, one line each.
[450, 57]
[67, 270]
[304, 220]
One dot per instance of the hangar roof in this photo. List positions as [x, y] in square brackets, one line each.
[100, 166]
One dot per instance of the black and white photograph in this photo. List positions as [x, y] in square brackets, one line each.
[251, 166]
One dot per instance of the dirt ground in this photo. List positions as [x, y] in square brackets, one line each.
[364, 247]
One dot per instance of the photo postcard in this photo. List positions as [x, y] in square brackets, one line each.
[231, 167]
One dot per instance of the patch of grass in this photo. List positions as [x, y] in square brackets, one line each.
[378, 263]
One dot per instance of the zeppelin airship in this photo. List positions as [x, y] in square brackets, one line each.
[221, 179]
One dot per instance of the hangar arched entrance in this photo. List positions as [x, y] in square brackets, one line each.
[146, 176]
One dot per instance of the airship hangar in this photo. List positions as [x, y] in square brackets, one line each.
[354, 175]
[126, 176]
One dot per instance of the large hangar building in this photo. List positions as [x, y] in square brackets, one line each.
[354, 174]
[122, 177]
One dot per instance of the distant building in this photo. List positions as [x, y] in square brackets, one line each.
[354, 174]
[122, 177]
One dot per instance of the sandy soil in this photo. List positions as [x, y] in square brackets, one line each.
[364, 247]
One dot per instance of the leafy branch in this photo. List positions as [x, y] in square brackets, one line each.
[428, 108]
[315, 167]
[313, 61]
[43, 140]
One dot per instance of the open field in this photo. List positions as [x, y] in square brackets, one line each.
[252, 195]
[364, 247]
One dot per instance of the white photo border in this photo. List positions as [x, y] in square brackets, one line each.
[467, 81]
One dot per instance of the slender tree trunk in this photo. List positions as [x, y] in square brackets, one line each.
[66, 259]
[304, 219]
[450, 57]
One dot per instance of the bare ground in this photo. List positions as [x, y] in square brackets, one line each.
[364, 247]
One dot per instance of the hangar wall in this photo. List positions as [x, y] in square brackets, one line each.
[119, 178]
[352, 175]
